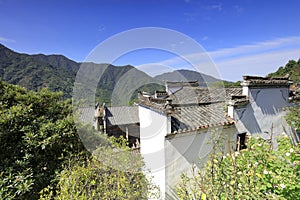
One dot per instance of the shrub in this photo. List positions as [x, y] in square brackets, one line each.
[258, 172]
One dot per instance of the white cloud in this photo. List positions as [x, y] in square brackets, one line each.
[258, 58]
[3, 39]
[259, 47]
[258, 64]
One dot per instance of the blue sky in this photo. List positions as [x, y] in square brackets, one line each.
[241, 36]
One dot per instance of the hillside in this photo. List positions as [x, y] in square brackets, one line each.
[33, 73]
[292, 68]
[187, 75]
[58, 73]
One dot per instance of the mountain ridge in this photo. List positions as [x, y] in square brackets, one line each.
[187, 75]
[58, 73]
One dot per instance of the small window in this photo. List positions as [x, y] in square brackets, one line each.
[241, 141]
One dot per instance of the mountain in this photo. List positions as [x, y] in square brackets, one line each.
[59, 60]
[58, 73]
[187, 75]
[33, 73]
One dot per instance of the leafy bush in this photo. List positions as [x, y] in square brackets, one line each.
[258, 172]
[293, 117]
[115, 172]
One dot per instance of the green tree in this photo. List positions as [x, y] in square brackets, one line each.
[37, 134]
[42, 155]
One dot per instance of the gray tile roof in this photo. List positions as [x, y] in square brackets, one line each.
[87, 115]
[257, 81]
[194, 108]
[238, 100]
[121, 115]
[182, 83]
[190, 95]
[186, 118]
[237, 91]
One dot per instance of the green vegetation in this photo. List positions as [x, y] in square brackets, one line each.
[57, 73]
[292, 68]
[37, 134]
[42, 154]
[100, 179]
[33, 73]
[226, 84]
[43, 157]
[293, 117]
[258, 172]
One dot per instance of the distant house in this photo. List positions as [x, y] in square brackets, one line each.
[176, 127]
[115, 121]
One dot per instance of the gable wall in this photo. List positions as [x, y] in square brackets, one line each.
[265, 112]
[185, 150]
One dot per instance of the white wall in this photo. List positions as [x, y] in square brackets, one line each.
[184, 150]
[154, 126]
[265, 108]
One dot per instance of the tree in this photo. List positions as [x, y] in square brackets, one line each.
[258, 172]
[43, 157]
[37, 134]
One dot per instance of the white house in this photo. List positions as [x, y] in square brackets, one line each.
[177, 127]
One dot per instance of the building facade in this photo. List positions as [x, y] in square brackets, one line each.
[176, 129]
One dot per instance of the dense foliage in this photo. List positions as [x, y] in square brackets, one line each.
[258, 172]
[115, 172]
[43, 156]
[37, 134]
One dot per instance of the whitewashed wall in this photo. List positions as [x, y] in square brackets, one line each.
[265, 109]
[154, 126]
[184, 150]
